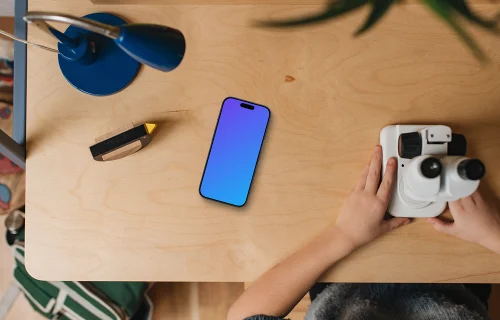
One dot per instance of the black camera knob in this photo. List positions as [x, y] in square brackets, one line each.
[431, 168]
[410, 145]
[471, 169]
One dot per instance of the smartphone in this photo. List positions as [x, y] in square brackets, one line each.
[234, 152]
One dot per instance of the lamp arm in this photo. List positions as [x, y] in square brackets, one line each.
[157, 46]
[40, 18]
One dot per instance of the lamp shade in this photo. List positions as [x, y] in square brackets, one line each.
[157, 46]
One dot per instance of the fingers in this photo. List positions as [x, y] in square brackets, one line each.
[455, 206]
[362, 181]
[384, 191]
[395, 223]
[441, 226]
[374, 172]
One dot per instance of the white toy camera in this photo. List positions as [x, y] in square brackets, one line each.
[432, 168]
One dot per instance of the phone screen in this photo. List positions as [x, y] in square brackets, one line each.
[234, 152]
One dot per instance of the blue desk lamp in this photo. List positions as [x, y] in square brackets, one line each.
[100, 54]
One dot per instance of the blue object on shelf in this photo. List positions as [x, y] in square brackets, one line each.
[100, 54]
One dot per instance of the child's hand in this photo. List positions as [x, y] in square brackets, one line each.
[475, 221]
[361, 218]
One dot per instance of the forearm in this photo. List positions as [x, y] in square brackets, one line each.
[278, 291]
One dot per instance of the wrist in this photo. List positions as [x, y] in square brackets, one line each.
[340, 240]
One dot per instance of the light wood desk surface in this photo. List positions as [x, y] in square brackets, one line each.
[141, 218]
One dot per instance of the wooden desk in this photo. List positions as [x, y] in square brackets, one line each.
[141, 218]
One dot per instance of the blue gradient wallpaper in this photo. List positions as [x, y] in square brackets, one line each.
[234, 152]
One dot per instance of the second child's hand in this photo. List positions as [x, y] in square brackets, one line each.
[475, 220]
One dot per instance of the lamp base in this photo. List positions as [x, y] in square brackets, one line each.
[111, 70]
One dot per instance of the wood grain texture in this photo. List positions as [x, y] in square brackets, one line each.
[193, 301]
[241, 2]
[494, 303]
[209, 2]
[141, 217]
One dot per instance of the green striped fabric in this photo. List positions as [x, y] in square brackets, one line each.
[81, 300]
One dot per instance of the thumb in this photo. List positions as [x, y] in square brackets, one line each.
[395, 223]
[440, 225]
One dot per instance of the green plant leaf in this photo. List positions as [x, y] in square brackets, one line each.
[331, 11]
[447, 13]
[463, 8]
[379, 9]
